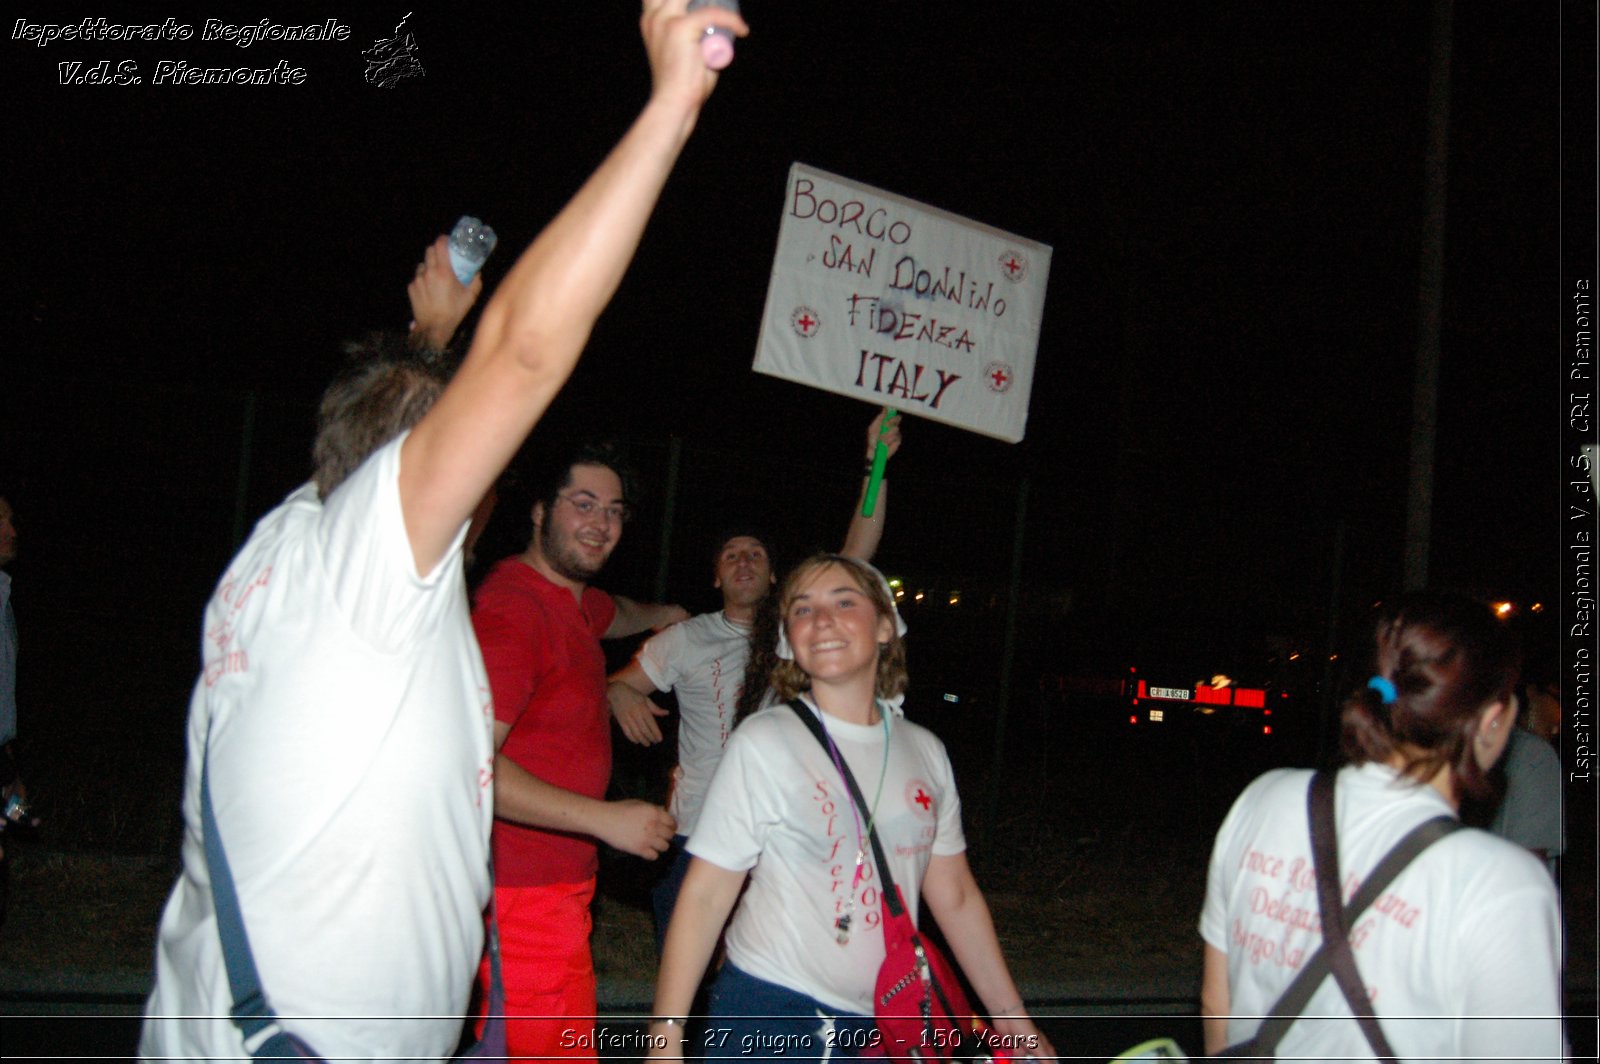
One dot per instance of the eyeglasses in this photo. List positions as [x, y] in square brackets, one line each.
[588, 506]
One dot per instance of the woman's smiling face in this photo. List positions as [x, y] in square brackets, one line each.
[834, 628]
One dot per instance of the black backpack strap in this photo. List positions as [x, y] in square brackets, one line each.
[1295, 997]
[250, 1013]
[1335, 926]
[891, 896]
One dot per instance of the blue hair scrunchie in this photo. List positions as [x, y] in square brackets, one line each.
[1385, 689]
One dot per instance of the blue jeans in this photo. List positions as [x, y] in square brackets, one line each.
[752, 1019]
[664, 895]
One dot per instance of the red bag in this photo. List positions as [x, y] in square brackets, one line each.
[918, 1003]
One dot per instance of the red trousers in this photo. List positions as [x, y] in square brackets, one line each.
[547, 970]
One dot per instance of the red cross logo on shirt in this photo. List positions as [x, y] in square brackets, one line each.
[919, 796]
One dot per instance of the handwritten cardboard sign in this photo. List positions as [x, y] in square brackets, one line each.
[885, 299]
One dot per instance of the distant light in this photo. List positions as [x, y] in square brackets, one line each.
[955, 598]
[948, 697]
[1537, 607]
[917, 596]
[1266, 730]
[1295, 656]
[896, 582]
[1158, 715]
[1333, 657]
[1133, 720]
[1266, 712]
[1504, 609]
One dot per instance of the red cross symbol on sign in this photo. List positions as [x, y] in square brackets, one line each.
[923, 799]
[999, 377]
[806, 322]
[1011, 265]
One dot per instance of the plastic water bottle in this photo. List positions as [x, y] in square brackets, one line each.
[717, 45]
[470, 244]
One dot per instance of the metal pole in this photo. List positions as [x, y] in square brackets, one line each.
[1329, 698]
[674, 458]
[241, 490]
[1007, 656]
[1425, 394]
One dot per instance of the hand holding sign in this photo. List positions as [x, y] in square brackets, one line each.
[894, 302]
[884, 443]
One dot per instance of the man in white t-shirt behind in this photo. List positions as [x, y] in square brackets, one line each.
[702, 661]
[342, 708]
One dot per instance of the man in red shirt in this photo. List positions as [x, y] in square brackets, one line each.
[540, 625]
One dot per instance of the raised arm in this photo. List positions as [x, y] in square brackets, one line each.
[439, 301]
[536, 324]
[862, 538]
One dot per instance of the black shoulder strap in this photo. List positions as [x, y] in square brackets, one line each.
[1335, 928]
[251, 1012]
[1293, 1000]
[891, 896]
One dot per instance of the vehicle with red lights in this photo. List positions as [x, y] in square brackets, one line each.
[1164, 700]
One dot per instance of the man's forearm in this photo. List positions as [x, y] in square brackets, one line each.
[524, 798]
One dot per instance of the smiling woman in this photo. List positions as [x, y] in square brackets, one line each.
[836, 627]
[806, 943]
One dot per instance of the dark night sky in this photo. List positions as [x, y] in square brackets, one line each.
[1233, 192]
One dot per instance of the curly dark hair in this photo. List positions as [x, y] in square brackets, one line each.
[763, 659]
[1449, 657]
[555, 475]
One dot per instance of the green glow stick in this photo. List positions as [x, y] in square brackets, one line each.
[880, 459]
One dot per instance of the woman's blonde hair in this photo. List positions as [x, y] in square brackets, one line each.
[789, 679]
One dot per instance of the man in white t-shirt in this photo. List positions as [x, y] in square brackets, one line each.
[702, 661]
[342, 708]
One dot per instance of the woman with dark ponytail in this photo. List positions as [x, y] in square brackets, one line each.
[1461, 954]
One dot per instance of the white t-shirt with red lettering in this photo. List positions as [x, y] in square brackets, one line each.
[701, 661]
[1461, 954]
[779, 808]
[350, 766]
